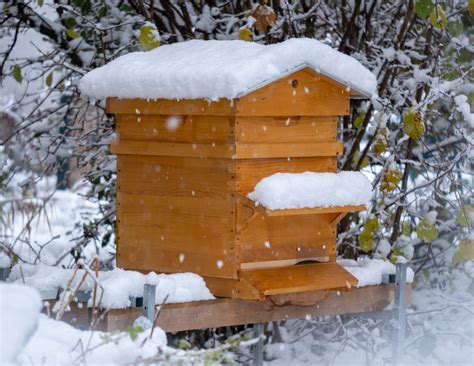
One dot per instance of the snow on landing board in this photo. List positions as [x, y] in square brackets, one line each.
[371, 271]
[282, 191]
[220, 69]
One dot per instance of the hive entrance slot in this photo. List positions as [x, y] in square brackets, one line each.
[283, 262]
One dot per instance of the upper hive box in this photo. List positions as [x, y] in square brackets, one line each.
[199, 125]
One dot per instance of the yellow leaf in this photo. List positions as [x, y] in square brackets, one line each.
[245, 34]
[465, 252]
[438, 18]
[470, 7]
[49, 79]
[72, 34]
[426, 231]
[465, 216]
[413, 124]
[359, 120]
[390, 180]
[149, 38]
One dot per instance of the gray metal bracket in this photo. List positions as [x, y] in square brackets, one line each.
[258, 347]
[399, 317]
[149, 301]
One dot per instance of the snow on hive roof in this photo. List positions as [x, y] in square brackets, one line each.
[220, 69]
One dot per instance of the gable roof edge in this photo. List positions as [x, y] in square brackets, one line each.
[360, 94]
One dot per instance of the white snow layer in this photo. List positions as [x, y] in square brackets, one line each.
[118, 285]
[307, 190]
[220, 69]
[20, 307]
[31, 338]
[370, 271]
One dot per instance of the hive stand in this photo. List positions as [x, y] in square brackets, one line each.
[182, 190]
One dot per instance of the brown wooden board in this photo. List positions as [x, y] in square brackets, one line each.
[191, 129]
[299, 278]
[262, 238]
[231, 312]
[287, 150]
[250, 130]
[153, 148]
[175, 234]
[251, 171]
[303, 93]
[174, 177]
[198, 107]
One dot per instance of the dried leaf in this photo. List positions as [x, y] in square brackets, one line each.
[265, 17]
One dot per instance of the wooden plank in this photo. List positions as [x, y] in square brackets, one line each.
[286, 129]
[300, 278]
[159, 221]
[251, 171]
[263, 238]
[193, 207]
[175, 234]
[191, 129]
[232, 288]
[147, 257]
[303, 93]
[315, 210]
[199, 107]
[287, 150]
[201, 238]
[232, 312]
[172, 176]
[172, 149]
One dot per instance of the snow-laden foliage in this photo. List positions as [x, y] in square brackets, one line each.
[414, 140]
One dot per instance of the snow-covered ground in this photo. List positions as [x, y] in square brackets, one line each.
[441, 321]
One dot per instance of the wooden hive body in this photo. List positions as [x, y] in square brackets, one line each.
[181, 189]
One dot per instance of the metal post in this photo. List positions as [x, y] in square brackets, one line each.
[149, 292]
[399, 312]
[258, 347]
[4, 273]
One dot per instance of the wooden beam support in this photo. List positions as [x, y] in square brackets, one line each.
[287, 150]
[172, 149]
[194, 107]
[230, 312]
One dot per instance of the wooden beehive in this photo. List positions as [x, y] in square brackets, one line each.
[181, 192]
